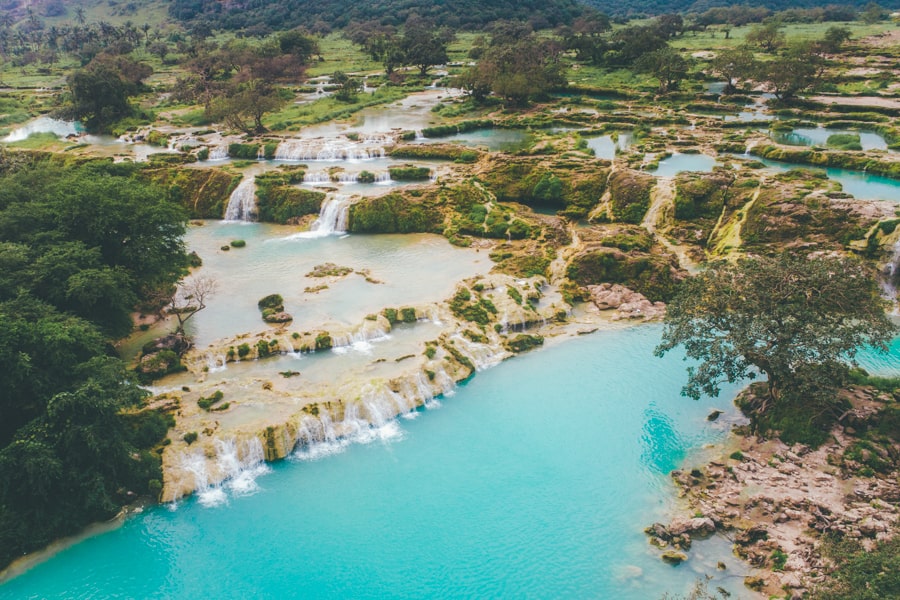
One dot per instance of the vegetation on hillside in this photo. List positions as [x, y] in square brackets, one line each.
[81, 246]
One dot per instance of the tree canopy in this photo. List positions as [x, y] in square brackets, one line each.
[797, 320]
[79, 245]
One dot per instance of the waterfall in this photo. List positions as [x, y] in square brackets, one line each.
[890, 275]
[332, 216]
[338, 149]
[242, 203]
[317, 178]
[218, 153]
[236, 468]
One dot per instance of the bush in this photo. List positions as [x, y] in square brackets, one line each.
[410, 173]
[408, 315]
[244, 151]
[365, 177]
[190, 437]
[273, 301]
[324, 342]
[243, 350]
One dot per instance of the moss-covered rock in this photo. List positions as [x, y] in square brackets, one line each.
[568, 184]
[523, 342]
[278, 200]
[655, 276]
[629, 195]
[204, 192]
[396, 213]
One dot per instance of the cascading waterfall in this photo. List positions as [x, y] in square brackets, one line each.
[333, 216]
[242, 203]
[238, 464]
[339, 149]
[889, 276]
[218, 153]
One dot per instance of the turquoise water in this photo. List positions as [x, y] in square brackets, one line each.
[675, 164]
[534, 480]
[495, 140]
[863, 186]
[818, 136]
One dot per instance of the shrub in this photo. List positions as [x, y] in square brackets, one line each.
[273, 301]
[243, 350]
[408, 315]
[324, 342]
[410, 173]
[190, 437]
[244, 151]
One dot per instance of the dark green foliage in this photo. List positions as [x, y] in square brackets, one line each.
[238, 243]
[263, 349]
[323, 342]
[207, 403]
[274, 301]
[796, 320]
[409, 173]
[437, 131]
[243, 350]
[391, 315]
[861, 574]
[365, 177]
[244, 151]
[408, 315]
[190, 437]
[101, 90]
[524, 342]
[340, 13]
[395, 213]
[75, 461]
[514, 293]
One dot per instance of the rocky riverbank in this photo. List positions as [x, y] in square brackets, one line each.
[776, 501]
[268, 410]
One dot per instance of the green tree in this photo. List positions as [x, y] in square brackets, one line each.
[799, 68]
[834, 38]
[767, 36]
[516, 71]
[667, 65]
[735, 64]
[785, 317]
[100, 94]
[423, 45]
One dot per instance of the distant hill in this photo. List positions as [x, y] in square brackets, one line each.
[657, 7]
[459, 14]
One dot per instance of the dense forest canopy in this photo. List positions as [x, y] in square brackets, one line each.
[81, 245]
[328, 14]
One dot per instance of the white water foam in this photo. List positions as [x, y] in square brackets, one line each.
[242, 203]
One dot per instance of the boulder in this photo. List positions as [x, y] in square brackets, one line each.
[698, 526]
[627, 303]
[673, 557]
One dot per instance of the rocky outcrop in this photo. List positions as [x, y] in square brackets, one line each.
[625, 303]
[776, 501]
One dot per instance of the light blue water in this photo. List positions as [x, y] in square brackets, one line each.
[675, 164]
[864, 186]
[502, 140]
[532, 481]
[818, 136]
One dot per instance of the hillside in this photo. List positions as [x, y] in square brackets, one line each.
[283, 14]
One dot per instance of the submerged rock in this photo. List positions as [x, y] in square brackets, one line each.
[673, 557]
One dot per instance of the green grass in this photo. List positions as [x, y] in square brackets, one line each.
[340, 54]
[294, 116]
